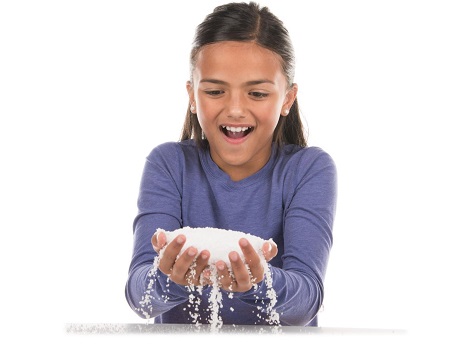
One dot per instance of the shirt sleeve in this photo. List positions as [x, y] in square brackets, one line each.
[307, 230]
[151, 293]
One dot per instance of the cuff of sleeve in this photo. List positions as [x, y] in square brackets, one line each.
[171, 289]
[259, 289]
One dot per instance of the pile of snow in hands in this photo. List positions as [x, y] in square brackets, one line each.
[219, 242]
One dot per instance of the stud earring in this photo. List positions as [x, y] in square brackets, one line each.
[192, 108]
[286, 111]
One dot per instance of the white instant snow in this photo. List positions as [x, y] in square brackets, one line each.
[220, 243]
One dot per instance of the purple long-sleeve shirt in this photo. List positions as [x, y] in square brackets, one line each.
[291, 200]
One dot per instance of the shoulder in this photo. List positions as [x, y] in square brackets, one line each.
[310, 174]
[306, 158]
[172, 151]
[173, 157]
[299, 166]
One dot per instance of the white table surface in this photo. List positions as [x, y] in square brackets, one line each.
[139, 328]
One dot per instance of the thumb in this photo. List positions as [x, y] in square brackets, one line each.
[269, 249]
[158, 240]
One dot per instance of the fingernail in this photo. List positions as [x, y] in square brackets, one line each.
[220, 266]
[192, 252]
[233, 256]
[204, 256]
[244, 242]
[180, 239]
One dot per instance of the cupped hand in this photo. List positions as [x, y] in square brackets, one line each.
[185, 268]
[248, 272]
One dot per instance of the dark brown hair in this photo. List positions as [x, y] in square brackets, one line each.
[248, 22]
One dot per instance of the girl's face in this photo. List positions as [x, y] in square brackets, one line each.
[239, 91]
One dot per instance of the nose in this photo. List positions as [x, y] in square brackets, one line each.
[236, 106]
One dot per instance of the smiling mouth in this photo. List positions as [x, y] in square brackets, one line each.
[236, 132]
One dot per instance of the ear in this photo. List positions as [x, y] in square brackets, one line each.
[291, 95]
[191, 95]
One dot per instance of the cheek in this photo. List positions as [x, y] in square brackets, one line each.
[271, 121]
[204, 115]
[269, 114]
[203, 105]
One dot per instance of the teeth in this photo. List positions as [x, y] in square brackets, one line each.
[236, 129]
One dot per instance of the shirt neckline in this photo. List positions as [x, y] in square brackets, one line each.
[218, 174]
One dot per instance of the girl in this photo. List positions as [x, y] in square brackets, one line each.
[243, 164]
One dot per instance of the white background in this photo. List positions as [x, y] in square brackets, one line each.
[88, 88]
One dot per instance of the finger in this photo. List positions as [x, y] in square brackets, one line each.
[240, 272]
[270, 250]
[205, 277]
[183, 271]
[249, 253]
[252, 259]
[158, 240]
[202, 262]
[223, 275]
[170, 254]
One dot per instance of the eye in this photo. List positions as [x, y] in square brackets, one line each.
[214, 92]
[259, 95]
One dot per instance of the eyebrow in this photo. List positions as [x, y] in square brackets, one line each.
[248, 83]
